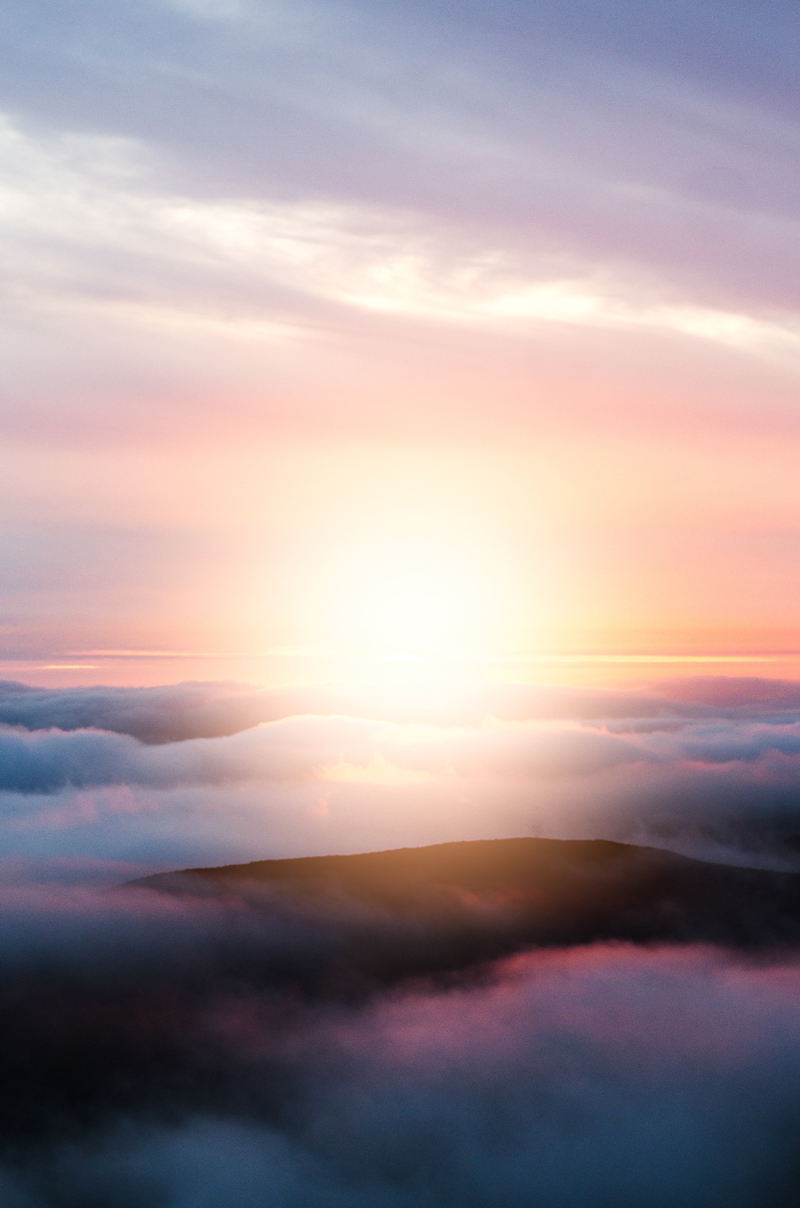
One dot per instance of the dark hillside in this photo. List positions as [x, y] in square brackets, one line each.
[473, 901]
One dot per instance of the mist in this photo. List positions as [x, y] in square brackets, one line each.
[101, 784]
[193, 1053]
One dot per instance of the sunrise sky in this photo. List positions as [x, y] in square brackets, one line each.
[400, 447]
[339, 336]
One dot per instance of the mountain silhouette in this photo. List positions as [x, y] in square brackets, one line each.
[416, 910]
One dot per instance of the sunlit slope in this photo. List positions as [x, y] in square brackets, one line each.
[454, 903]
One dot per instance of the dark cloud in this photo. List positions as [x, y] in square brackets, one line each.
[191, 1055]
[162, 714]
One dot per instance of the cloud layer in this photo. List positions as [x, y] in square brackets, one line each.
[213, 773]
[250, 1047]
[187, 1054]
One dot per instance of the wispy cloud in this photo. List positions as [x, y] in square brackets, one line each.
[92, 199]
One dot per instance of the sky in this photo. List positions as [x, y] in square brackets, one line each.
[398, 445]
[335, 333]
[399, 424]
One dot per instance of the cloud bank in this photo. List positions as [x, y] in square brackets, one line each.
[245, 1048]
[218, 773]
[187, 1055]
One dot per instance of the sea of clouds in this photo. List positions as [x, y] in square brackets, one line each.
[105, 783]
[189, 1053]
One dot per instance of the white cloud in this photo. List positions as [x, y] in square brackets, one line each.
[90, 235]
[723, 787]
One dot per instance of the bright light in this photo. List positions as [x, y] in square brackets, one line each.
[412, 595]
[403, 555]
[411, 605]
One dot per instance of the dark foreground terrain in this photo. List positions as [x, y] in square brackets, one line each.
[454, 904]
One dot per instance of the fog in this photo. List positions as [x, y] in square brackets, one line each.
[197, 1054]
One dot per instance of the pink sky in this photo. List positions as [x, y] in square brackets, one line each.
[435, 334]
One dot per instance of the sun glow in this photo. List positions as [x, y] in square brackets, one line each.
[415, 595]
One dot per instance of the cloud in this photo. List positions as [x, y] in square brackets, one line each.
[376, 172]
[120, 776]
[172, 712]
[188, 1053]
[185, 1051]
[294, 747]
[343, 748]
[163, 262]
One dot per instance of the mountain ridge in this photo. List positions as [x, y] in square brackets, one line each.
[471, 901]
